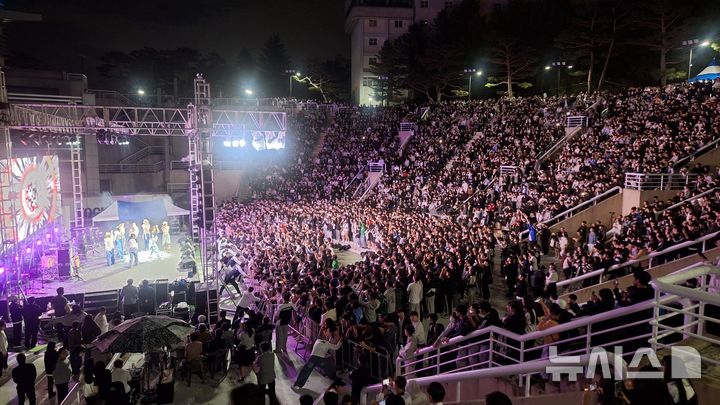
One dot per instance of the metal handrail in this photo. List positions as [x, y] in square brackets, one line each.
[693, 198]
[132, 167]
[580, 207]
[656, 181]
[649, 258]
[179, 165]
[142, 153]
[699, 152]
[556, 146]
[576, 121]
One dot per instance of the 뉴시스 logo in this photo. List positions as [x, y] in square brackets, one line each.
[686, 363]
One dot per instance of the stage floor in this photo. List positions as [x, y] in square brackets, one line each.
[97, 276]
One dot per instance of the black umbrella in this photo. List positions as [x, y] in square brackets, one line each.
[143, 334]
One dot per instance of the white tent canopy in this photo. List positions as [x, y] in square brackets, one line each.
[157, 208]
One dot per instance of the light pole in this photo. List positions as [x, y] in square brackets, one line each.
[383, 89]
[470, 72]
[692, 43]
[293, 74]
[558, 65]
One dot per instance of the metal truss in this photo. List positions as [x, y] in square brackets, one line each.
[8, 224]
[148, 121]
[77, 188]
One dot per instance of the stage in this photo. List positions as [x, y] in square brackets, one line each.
[95, 275]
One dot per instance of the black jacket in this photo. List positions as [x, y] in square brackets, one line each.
[24, 376]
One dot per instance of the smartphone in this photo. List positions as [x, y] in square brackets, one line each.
[618, 388]
[386, 382]
[592, 386]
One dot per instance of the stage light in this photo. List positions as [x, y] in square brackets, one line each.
[2, 270]
[248, 92]
[241, 143]
[28, 250]
[141, 92]
[57, 229]
[47, 236]
[227, 143]
[39, 242]
[235, 143]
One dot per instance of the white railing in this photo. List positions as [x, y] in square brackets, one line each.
[357, 176]
[424, 113]
[376, 167]
[576, 121]
[651, 260]
[132, 167]
[691, 199]
[407, 126]
[673, 288]
[43, 98]
[578, 208]
[507, 169]
[496, 347]
[699, 152]
[656, 181]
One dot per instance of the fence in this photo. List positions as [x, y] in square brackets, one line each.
[407, 126]
[576, 121]
[699, 152]
[656, 181]
[379, 361]
[132, 167]
[506, 169]
[653, 259]
[493, 346]
[376, 167]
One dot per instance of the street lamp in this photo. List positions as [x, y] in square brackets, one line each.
[294, 75]
[248, 92]
[470, 72]
[141, 92]
[558, 65]
[692, 43]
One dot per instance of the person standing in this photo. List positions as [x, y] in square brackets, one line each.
[285, 313]
[165, 236]
[31, 314]
[133, 250]
[17, 320]
[3, 348]
[415, 294]
[24, 377]
[109, 249]
[129, 295]
[74, 343]
[50, 359]
[265, 370]
[146, 297]
[146, 234]
[62, 375]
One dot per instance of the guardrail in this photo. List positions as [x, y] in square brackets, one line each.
[656, 181]
[43, 98]
[693, 198]
[179, 165]
[557, 146]
[576, 209]
[699, 152]
[132, 167]
[376, 167]
[379, 361]
[143, 153]
[673, 287]
[650, 258]
[576, 121]
[177, 187]
[407, 126]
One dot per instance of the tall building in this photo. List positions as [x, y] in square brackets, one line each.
[372, 22]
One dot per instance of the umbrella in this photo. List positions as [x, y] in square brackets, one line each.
[143, 334]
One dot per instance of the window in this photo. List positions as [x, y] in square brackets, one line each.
[448, 4]
[372, 60]
[372, 41]
[372, 23]
[367, 82]
[398, 23]
[424, 3]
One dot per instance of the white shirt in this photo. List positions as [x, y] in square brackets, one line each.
[420, 334]
[321, 347]
[247, 299]
[123, 376]
[330, 314]
[101, 321]
[416, 292]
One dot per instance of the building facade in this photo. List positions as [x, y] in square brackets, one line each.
[372, 22]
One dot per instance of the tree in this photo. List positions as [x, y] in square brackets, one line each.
[391, 66]
[515, 62]
[274, 61]
[582, 36]
[665, 24]
[330, 78]
[618, 12]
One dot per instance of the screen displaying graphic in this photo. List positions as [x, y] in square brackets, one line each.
[34, 191]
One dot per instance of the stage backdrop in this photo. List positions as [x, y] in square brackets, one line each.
[35, 193]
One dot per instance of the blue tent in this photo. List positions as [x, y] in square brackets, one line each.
[711, 72]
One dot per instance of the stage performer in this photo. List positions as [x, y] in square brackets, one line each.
[154, 250]
[134, 230]
[133, 249]
[109, 249]
[146, 234]
[120, 241]
[165, 236]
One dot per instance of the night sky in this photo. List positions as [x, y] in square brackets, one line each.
[70, 28]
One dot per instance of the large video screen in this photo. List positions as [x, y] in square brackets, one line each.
[34, 191]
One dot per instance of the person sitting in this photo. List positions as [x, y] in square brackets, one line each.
[119, 374]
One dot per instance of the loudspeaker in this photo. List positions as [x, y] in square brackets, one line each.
[201, 301]
[63, 263]
[161, 291]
